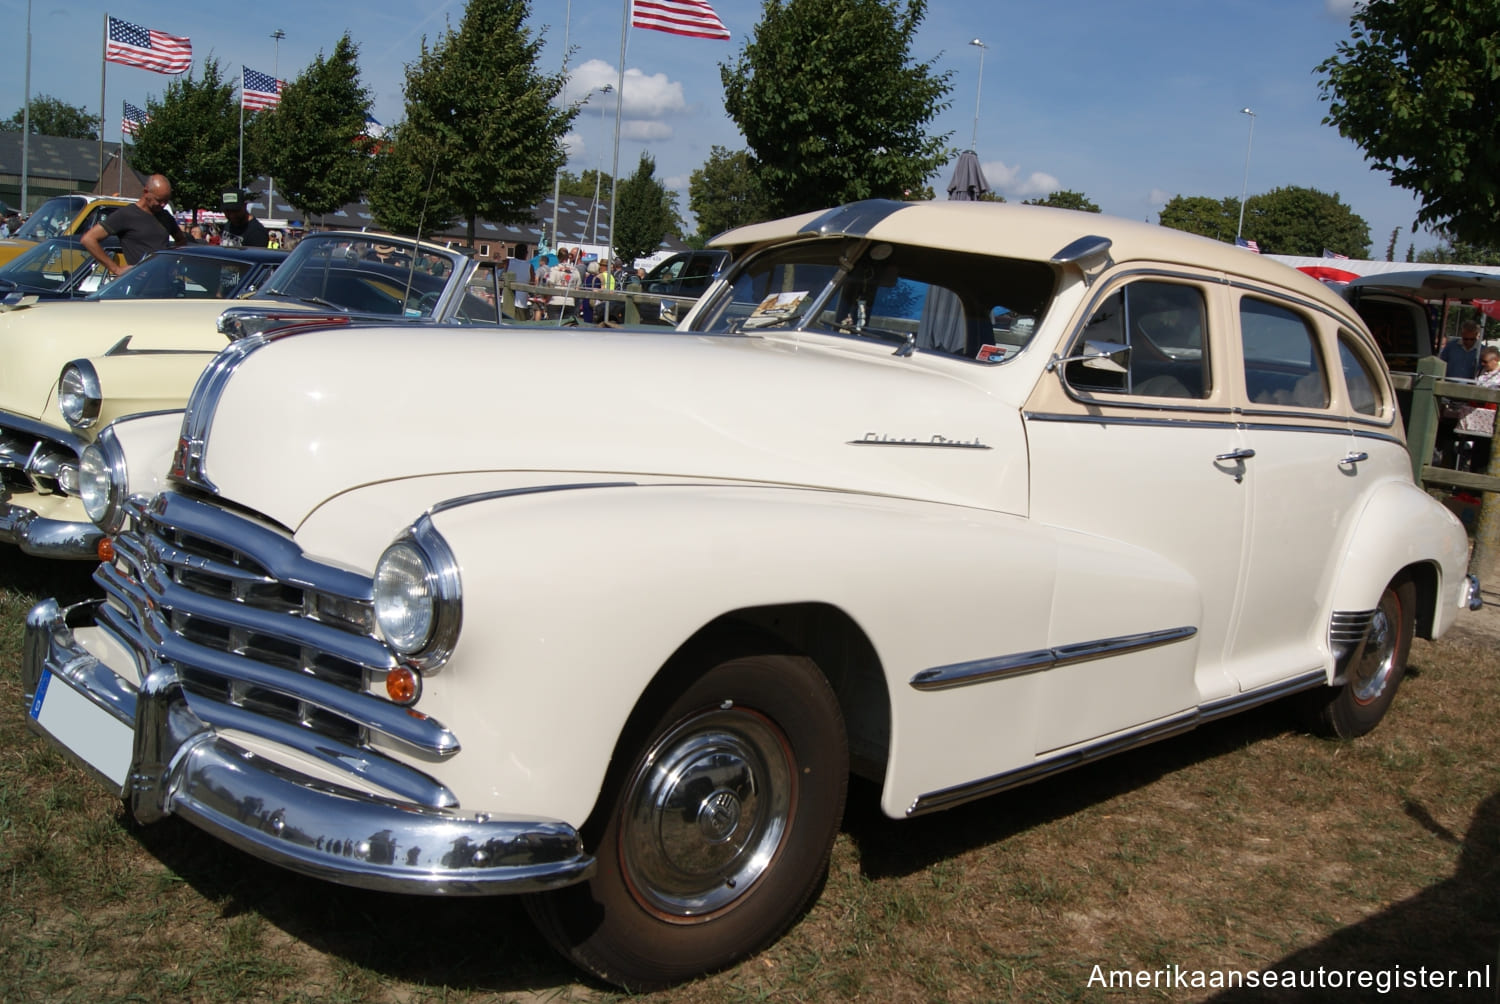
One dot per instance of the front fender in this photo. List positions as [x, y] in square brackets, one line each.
[575, 597]
[1403, 527]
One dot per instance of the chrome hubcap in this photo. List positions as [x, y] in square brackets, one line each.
[1377, 657]
[706, 812]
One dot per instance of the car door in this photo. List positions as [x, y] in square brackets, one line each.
[1306, 478]
[1153, 457]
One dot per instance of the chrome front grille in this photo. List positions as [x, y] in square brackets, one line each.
[262, 637]
[31, 461]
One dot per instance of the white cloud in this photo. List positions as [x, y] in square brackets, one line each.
[645, 132]
[646, 97]
[1340, 8]
[1159, 197]
[1008, 182]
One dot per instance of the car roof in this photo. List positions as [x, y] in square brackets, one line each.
[219, 252]
[1035, 232]
[1431, 284]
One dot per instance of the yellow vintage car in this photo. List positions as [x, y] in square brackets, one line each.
[60, 216]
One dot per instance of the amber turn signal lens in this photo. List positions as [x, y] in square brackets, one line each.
[106, 549]
[401, 685]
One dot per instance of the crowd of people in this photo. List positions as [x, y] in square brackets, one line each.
[573, 270]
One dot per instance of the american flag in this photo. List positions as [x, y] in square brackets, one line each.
[133, 119]
[148, 49]
[1248, 245]
[259, 91]
[694, 18]
[1327, 253]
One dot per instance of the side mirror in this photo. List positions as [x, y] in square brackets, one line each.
[1112, 357]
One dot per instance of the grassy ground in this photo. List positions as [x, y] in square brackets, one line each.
[1246, 845]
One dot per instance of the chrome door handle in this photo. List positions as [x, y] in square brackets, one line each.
[1354, 458]
[1225, 458]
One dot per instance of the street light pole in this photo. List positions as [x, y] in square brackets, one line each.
[979, 90]
[1245, 185]
[276, 36]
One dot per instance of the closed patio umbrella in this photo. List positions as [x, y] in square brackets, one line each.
[967, 183]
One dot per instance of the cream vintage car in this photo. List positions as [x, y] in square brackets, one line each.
[71, 368]
[952, 496]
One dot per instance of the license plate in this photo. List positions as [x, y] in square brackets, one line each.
[85, 729]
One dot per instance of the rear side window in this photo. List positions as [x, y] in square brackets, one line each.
[1283, 365]
[1360, 379]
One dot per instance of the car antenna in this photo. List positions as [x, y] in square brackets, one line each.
[411, 268]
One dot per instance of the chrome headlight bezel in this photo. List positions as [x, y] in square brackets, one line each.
[104, 482]
[417, 597]
[79, 394]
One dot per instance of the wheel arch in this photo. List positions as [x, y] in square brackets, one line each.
[820, 632]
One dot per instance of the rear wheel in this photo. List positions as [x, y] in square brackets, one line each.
[1374, 672]
[714, 828]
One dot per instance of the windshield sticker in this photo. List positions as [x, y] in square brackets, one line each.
[774, 308]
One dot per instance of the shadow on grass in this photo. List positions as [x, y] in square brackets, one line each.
[893, 848]
[68, 581]
[1450, 927]
[474, 944]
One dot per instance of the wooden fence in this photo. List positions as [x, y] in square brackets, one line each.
[1429, 390]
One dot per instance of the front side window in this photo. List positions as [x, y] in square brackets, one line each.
[1283, 363]
[1165, 325]
[966, 305]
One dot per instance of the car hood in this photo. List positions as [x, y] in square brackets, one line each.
[312, 415]
[37, 343]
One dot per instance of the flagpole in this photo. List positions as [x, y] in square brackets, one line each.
[26, 116]
[103, 69]
[557, 174]
[120, 160]
[614, 169]
[241, 185]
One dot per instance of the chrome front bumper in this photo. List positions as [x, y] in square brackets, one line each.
[48, 538]
[180, 765]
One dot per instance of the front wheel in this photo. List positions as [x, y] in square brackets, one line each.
[1375, 671]
[714, 829]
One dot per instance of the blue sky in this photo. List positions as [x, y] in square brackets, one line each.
[1129, 103]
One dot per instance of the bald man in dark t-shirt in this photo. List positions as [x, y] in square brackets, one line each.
[142, 227]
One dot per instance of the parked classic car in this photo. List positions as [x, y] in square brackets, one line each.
[59, 268]
[195, 272]
[953, 496]
[686, 274]
[60, 216]
[71, 368]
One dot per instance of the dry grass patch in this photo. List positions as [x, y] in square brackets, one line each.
[1244, 845]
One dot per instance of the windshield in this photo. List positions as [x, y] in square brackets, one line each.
[165, 275]
[46, 266]
[973, 306]
[366, 274]
[53, 218]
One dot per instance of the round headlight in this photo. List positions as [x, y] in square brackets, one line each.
[416, 597]
[103, 483]
[79, 394]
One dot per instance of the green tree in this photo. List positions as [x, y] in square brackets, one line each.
[1452, 251]
[311, 143]
[478, 110]
[53, 117]
[646, 212]
[1198, 214]
[831, 105]
[193, 138]
[1066, 199]
[1417, 87]
[582, 186]
[724, 193]
[1304, 221]
[404, 195]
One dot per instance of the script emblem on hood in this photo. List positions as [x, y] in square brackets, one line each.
[936, 439]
